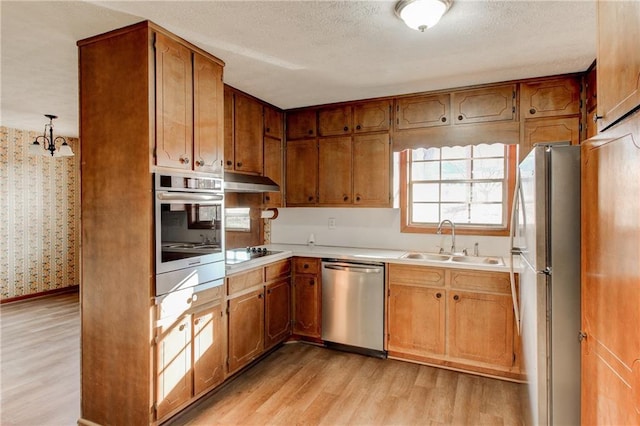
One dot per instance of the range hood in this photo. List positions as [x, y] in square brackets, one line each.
[237, 182]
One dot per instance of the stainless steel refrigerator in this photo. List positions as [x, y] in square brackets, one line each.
[546, 236]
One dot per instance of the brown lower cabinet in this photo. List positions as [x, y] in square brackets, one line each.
[457, 319]
[259, 312]
[307, 297]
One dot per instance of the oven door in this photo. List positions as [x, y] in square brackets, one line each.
[189, 229]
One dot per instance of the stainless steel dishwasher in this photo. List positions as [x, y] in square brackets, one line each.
[353, 306]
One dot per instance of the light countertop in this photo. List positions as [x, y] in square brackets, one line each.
[355, 254]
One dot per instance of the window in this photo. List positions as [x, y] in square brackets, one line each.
[470, 185]
[238, 219]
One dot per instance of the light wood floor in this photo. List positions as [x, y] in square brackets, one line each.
[298, 384]
[40, 355]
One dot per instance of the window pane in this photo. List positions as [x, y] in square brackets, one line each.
[425, 213]
[450, 152]
[425, 154]
[492, 168]
[425, 171]
[484, 150]
[456, 192]
[456, 169]
[456, 212]
[425, 192]
[486, 213]
[487, 191]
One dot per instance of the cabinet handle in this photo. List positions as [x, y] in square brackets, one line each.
[305, 266]
[345, 198]
[443, 119]
[310, 131]
[532, 111]
[357, 198]
[456, 297]
[181, 328]
[311, 282]
[239, 163]
[345, 128]
[229, 162]
[310, 198]
[199, 163]
[269, 291]
[268, 129]
[260, 296]
[460, 117]
[358, 127]
[196, 321]
[266, 197]
[597, 117]
[184, 160]
[438, 295]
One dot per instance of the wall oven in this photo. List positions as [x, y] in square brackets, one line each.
[189, 231]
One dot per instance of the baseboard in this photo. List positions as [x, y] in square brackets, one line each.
[70, 289]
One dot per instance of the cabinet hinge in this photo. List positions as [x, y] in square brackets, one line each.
[514, 357]
[513, 109]
[513, 96]
[580, 126]
[388, 292]
[580, 103]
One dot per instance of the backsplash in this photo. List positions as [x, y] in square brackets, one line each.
[39, 217]
[368, 228]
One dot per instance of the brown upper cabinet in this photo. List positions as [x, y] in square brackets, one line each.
[302, 172]
[483, 105]
[301, 124]
[550, 98]
[618, 60]
[189, 109]
[335, 121]
[273, 122]
[243, 140]
[273, 169]
[335, 170]
[423, 111]
[374, 116]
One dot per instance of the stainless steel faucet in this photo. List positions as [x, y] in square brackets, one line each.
[453, 233]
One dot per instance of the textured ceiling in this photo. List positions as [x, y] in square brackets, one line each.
[297, 53]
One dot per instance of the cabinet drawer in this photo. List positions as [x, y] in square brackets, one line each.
[493, 282]
[207, 296]
[277, 270]
[306, 265]
[416, 275]
[244, 280]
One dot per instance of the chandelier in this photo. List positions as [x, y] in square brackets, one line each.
[49, 143]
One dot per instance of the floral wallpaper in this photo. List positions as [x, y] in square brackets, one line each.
[39, 217]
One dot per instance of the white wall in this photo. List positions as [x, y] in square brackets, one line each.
[369, 228]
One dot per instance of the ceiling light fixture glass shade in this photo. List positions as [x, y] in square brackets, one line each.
[421, 14]
[49, 143]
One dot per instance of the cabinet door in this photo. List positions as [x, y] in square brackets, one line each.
[272, 122]
[209, 349]
[173, 355]
[246, 329]
[371, 170]
[335, 121]
[208, 116]
[273, 169]
[422, 111]
[247, 135]
[306, 305]
[416, 320]
[277, 312]
[229, 125]
[372, 117]
[480, 327]
[548, 98]
[484, 105]
[618, 60]
[174, 104]
[302, 172]
[301, 124]
[334, 170]
[549, 130]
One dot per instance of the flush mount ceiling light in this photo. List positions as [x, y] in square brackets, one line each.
[49, 143]
[421, 14]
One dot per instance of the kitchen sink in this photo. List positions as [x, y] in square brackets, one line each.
[426, 256]
[478, 260]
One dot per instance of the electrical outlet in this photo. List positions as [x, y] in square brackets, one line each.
[332, 223]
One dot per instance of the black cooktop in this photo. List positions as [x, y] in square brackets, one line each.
[240, 255]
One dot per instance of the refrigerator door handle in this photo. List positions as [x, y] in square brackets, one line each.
[514, 251]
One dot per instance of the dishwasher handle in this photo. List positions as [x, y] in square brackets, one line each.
[354, 268]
